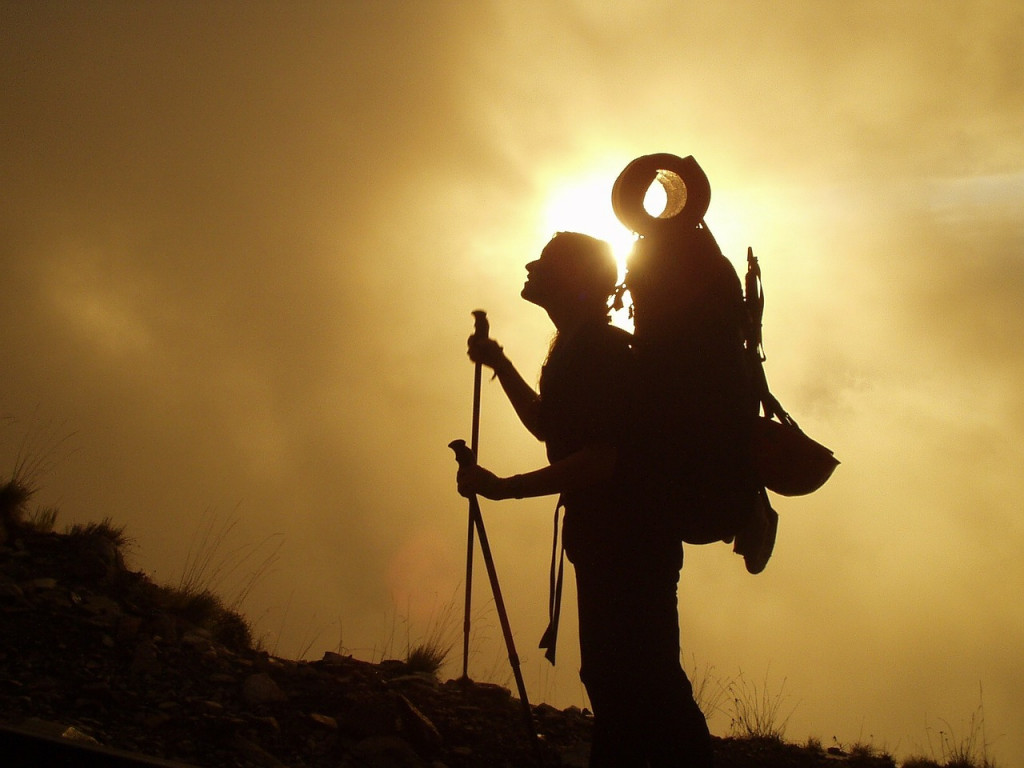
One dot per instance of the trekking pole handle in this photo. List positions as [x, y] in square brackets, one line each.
[463, 455]
[481, 327]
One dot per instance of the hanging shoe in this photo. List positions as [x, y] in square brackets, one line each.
[756, 540]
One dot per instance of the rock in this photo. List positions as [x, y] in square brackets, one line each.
[101, 605]
[10, 591]
[327, 722]
[260, 688]
[575, 755]
[43, 727]
[385, 752]
[156, 719]
[197, 638]
[335, 659]
[128, 628]
[73, 734]
[146, 660]
[493, 693]
[422, 733]
[97, 558]
[255, 753]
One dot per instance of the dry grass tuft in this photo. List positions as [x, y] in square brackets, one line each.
[430, 653]
[967, 746]
[106, 529]
[426, 658]
[755, 710]
[42, 519]
[39, 451]
[708, 691]
[14, 497]
[213, 567]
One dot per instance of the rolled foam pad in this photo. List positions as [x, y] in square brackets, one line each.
[687, 193]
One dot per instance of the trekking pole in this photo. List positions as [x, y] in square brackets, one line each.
[465, 458]
[480, 331]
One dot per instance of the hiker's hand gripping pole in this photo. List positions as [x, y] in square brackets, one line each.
[465, 458]
[481, 329]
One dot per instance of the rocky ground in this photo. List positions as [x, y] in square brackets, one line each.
[92, 651]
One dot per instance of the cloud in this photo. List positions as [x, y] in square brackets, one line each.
[241, 246]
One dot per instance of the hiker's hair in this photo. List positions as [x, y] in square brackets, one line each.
[595, 270]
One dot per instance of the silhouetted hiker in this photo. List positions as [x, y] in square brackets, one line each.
[626, 569]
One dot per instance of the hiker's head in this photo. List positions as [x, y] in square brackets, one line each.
[575, 272]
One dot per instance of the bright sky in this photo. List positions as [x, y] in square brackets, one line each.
[240, 244]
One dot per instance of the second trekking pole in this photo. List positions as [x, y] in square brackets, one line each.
[465, 458]
[481, 329]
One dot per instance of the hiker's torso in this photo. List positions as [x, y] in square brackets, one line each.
[586, 397]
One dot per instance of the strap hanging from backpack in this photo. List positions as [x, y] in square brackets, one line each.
[754, 302]
[550, 638]
[788, 461]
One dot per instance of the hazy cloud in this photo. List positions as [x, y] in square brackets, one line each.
[241, 243]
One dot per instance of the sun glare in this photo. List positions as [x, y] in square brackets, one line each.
[586, 206]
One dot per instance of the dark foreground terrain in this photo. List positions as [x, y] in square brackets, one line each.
[94, 653]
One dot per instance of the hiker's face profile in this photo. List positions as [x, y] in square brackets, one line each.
[564, 276]
[549, 277]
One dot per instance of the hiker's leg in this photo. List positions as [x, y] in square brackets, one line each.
[675, 730]
[644, 711]
[615, 740]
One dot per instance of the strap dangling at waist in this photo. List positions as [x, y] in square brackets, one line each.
[550, 637]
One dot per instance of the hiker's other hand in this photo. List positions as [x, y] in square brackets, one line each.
[476, 480]
[485, 351]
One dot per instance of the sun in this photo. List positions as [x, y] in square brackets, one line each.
[585, 205]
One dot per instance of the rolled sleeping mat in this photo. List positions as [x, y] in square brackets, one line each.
[687, 193]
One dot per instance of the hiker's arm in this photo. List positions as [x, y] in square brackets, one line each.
[584, 468]
[524, 399]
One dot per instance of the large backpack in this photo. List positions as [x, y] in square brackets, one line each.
[709, 431]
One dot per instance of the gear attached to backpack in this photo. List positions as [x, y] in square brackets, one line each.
[711, 438]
